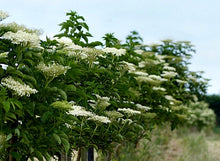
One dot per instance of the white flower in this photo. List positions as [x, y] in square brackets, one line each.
[181, 81]
[114, 51]
[18, 88]
[4, 55]
[129, 111]
[141, 73]
[169, 74]
[64, 41]
[102, 119]
[3, 15]
[129, 66]
[139, 51]
[79, 111]
[113, 114]
[21, 37]
[52, 70]
[169, 98]
[142, 107]
[159, 89]
[142, 64]
[141, 79]
[169, 68]
[155, 77]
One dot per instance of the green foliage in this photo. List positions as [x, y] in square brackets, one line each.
[62, 94]
[200, 115]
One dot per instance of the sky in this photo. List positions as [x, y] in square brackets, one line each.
[197, 21]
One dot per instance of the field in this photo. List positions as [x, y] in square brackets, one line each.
[178, 145]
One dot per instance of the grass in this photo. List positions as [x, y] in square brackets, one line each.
[178, 145]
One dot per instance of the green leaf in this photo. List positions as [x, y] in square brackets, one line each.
[62, 94]
[9, 136]
[57, 138]
[66, 144]
[14, 102]
[15, 155]
[46, 116]
[47, 156]
[6, 105]
[11, 115]
[17, 131]
[39, 156]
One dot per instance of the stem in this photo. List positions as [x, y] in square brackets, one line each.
[96, 126]
[79, 154]
[81, 128]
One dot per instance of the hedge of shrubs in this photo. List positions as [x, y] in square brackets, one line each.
[66, 93]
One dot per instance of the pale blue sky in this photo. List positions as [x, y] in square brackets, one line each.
[192, 20]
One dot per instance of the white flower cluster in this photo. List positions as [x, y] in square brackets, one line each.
[169, 98]
[4, 55]
[3, 15]
[113, 114]
[129, 111]
[181, 81]
[129, 66]
[114, 51]
[102, 102]
[142, 107]
[17, 87]
[141, 79]
[160, 58]
[139, 51]
[64, 41]
[159, 89]
[140, 73]
[169, 68]
[102, 119]
[79, 111]
[142, 64]
[52, 70]
[169, 74]
[21, 37]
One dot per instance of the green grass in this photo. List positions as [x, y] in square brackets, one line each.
[179, 145]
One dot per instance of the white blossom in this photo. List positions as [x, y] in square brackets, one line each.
[159, 89]
[3, 15]
[169, 68]
[142, 107]
[101, 119]
[181, 81]
[79, 111]
[18, 88]
[169, 98]
[141, 73]
[102, 102]
[139, 51]
[114, 51]
[169, 74]
[129, 111]
[4, 55]
[129, 66]
[52, 70]
[21, 37]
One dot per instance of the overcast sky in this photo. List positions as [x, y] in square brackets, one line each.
[197, 21]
